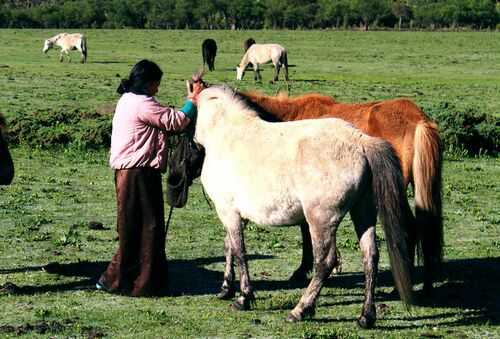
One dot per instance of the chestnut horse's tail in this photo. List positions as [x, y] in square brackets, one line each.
[427, 168]
[390, 197]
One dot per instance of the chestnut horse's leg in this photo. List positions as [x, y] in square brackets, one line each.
[412, 233]
[306, 264]
[256, 72]
[276, 71]
[364, 216]
[228, 289]
[323, 228]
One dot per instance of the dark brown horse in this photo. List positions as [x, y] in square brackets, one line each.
[415, 139]
[6, 164]
[209, 51]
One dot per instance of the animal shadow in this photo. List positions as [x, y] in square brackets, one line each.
[468, 284]
[185, 277]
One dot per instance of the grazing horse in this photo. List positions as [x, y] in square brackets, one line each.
[209, 51]
[68, 42]
[295, 172]
[261, 54]
[415, 139]
[6, 164]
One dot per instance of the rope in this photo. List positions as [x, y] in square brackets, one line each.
[206, 198]
[168, 220]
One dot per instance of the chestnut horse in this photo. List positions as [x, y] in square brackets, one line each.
[6, 164]
[292, 172]
[415, 139]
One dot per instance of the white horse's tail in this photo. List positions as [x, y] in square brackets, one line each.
[390, 198]
[83, 46]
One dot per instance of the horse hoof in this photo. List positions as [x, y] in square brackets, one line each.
[226, 294]
[292, 319]
[309, 312]
[366, 321]
[242, 303]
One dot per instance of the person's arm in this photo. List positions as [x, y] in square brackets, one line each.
[167, 118]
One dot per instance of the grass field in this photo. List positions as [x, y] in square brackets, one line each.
[50, 259]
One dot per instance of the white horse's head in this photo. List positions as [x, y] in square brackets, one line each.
[240, 71]
[47, 45]
[215, 105]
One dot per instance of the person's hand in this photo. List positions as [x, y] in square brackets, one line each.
[194, 88]
[191, 93]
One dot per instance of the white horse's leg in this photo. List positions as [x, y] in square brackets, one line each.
[306, 264]
[61, 56]
[323, 227]
[234, 228]
[228, 288]
[364, 217]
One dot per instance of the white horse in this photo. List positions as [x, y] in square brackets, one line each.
[292, 172]
[262, 54]
[68, 42]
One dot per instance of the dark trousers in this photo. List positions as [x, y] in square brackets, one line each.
[139, 267]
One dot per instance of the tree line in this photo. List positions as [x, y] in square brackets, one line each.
[251, 14]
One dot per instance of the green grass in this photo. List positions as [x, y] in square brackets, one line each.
[45, 212]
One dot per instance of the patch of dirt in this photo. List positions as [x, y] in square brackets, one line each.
[9, 288]
[106, 109]
[96, 225]
[93, 332]
[40, 327]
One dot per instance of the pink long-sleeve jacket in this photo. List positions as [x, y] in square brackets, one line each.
[140, 127]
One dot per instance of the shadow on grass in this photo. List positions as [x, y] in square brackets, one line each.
[108, 62]
[468, 284]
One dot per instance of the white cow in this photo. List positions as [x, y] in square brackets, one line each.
[68, 42]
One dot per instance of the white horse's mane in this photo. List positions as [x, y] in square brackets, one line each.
[231, 99]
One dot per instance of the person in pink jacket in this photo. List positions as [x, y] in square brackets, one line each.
[138, 156]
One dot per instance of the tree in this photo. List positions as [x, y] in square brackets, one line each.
[400, 10]
[369, 10]
[273, 17]
[161, 14]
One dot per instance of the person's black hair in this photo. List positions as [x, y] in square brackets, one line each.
[141, 76]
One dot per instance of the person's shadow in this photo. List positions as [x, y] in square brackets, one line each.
[468, 284]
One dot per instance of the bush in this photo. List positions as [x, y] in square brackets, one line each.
[47, 129]
[467, 129]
